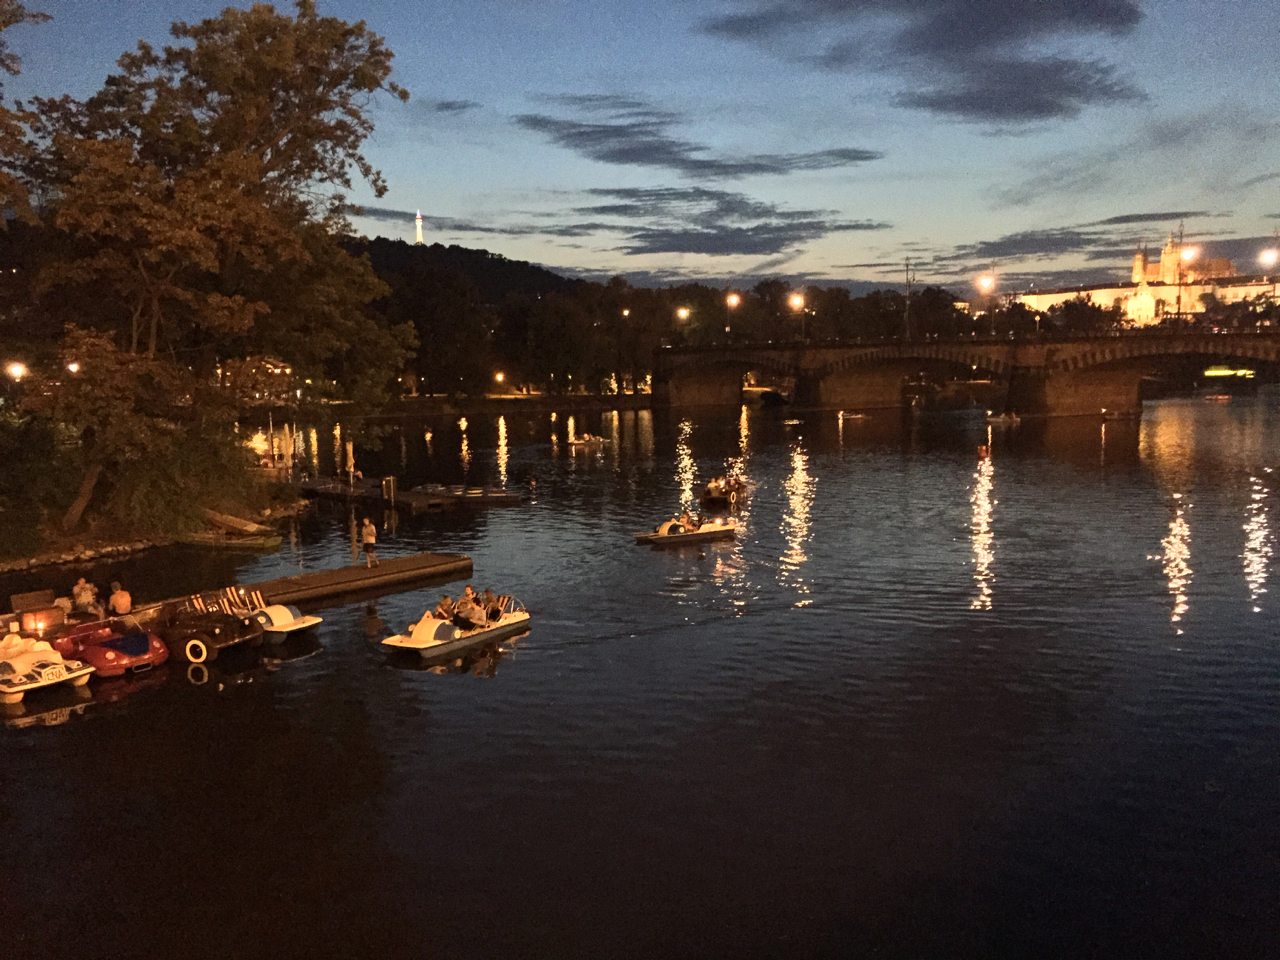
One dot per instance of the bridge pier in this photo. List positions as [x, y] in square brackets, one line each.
[707, 386]
[876, 387]
[1086, 392]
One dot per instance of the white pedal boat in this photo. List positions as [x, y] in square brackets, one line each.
[673, 532]
[280, 619]
[27, 664]
[436, 638]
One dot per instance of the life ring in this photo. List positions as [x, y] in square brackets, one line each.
[733, 497]
[198, 649]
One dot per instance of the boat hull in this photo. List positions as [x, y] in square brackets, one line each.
[509, 625]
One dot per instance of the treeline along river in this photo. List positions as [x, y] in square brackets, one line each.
[927, 705]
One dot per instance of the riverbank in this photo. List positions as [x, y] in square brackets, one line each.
[515, 404]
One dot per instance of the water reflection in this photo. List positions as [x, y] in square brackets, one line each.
[502, 452]
[337, 447]
[1177, 558]
[644, 422]
[983, 539]
[685, 467]
[313, 450]
[465, 453]
[1257, 543]
[795, 521]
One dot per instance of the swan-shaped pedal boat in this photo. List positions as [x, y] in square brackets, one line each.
[433, 637]
[673, 532]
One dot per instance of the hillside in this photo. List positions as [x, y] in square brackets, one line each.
[494, 276]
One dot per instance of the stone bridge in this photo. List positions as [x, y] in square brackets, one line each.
[1059, 377]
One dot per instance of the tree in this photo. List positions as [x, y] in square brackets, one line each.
[13, 145]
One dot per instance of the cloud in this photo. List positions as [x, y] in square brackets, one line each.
[453, 106]
[714, 222]
[627, 132]
[978, 60]
[1253, 182]
[1168, 217]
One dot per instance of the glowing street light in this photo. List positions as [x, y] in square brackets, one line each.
[732, 300]
[1268, 258]
[626, 313]
[73, 367]
[683, 313]
[499, 377]
[1190, 253]
[16, 370]
[986, 283]
[796, 301]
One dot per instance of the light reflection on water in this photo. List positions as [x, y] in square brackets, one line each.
[1177, 559]
[982, 538]
[800, 488]
[686, 469]
[1258, 542]
[503, 454]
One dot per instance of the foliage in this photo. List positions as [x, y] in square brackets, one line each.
[36, 480]
[13, 146]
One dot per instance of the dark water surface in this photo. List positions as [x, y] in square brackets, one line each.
[925, 707]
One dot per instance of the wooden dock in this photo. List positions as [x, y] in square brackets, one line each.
[425, 499]
[392, 572]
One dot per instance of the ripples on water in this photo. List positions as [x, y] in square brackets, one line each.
[900, 716]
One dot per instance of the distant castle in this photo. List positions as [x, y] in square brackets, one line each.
[1177, 281]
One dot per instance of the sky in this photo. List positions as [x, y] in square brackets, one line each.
[823, 141]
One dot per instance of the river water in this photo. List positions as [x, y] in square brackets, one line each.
[928, 705]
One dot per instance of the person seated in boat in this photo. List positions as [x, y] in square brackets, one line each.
[468, 614]
[444, 609]
[493, 609]
[689, 521]
[85, 597]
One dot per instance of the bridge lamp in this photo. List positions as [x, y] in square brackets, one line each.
[16, 370]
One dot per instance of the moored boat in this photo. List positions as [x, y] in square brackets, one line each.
[28, 664]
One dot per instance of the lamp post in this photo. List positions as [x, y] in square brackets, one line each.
[731, 303]
[986, 285]
[1185, 256]
[796, 303]
[1268, 259]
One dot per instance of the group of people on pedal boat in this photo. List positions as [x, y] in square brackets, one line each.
[472, 610]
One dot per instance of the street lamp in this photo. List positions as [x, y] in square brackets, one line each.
[682, 313]
[986, 284]
[731, 302]
[1185, 256]
[1268, 259]
[16, 370]
[796, 303]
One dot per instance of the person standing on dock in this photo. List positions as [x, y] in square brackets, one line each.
[369, 537]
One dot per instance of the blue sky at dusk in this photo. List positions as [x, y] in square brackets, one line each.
[823, 140]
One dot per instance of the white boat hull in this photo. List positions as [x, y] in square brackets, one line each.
[440, 638]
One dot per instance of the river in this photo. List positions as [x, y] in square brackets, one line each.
[927, 705]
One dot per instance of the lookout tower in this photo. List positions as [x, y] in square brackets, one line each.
[420, 241]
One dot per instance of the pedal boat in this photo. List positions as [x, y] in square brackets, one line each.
[673, 532]
[437, 638]
[27, 664]
[279, 620]
[113, 647]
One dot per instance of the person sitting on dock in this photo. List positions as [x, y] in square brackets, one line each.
[85, 596]
[120, 602]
